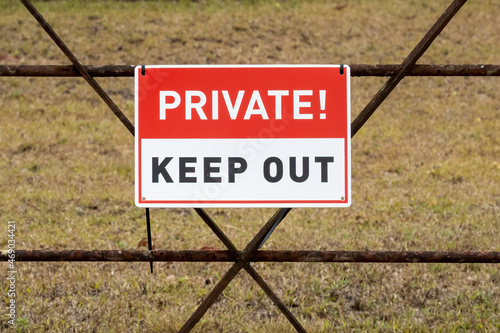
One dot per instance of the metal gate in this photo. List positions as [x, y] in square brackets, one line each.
[242, 259]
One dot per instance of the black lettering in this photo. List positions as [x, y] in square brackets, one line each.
[161, 169]
[233, 169]
[208, 169]
[183, 169]
[267, 169]
[305, 169]
[324, 160]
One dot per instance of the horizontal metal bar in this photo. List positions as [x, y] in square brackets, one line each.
[260, 256]
[407, 65]
[356, 70]
[379, 256]
[66, 71]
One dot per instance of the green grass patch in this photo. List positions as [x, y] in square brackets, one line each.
[425, 171]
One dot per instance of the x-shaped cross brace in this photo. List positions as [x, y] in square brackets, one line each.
[242, 261]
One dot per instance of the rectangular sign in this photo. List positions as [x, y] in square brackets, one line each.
[242, 136]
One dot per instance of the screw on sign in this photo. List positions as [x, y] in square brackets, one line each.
[243, 136]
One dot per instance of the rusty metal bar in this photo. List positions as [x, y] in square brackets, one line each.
[407, 65]
[378, 256]
[78, 66]
[356, 70]
[260, 256]
[427, 70]
[66, 71]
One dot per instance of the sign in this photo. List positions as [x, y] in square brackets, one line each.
[242, 136]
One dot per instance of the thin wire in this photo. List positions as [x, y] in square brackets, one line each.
[150, 243]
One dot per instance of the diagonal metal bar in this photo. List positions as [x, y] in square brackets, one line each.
[407, 65]
[247, 254]
[485, 257]
[276, 300]
[217, 231]
[78, 66]
[280, 217]
[365, 114]
[211, 298]
[255, 243]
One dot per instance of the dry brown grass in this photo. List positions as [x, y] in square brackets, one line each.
[425, 171]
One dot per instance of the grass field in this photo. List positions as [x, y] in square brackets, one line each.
[425, 171]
